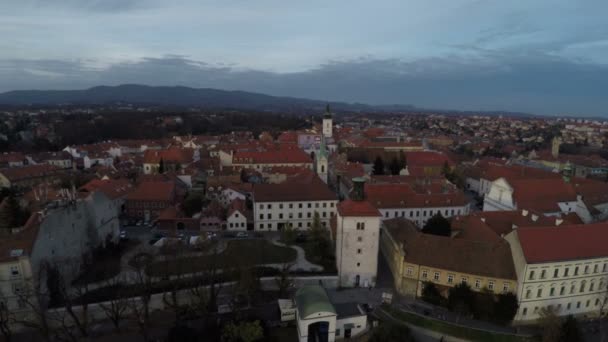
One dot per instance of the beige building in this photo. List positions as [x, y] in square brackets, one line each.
[415, 258]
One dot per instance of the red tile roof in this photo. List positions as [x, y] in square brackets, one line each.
[283, 156]
[153, 191]
[542, 195]
[112, 188]
[171, 155]
[30, 171]
[408, 196]
[357, 208]
[315, 190]
[571, 242]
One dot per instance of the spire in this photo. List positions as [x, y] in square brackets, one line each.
[327, 114]
[322, 148]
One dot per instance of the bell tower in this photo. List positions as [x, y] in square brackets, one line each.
[327, 123]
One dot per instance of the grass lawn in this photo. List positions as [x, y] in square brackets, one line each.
[248, 252]
[455, 330]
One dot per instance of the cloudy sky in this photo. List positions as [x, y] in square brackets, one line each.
[538, 56]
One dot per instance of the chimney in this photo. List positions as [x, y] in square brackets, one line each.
[534, 217]
[483, 219]
[358, 192]
[524, 213]
[558, 221]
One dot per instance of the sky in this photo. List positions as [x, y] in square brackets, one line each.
[534, 56]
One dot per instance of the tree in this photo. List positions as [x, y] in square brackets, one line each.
[460, 299]
[438, 225]
[242, 332]
[391, 332]
[430, 293]
[570, 330]
[6, 318]
[140, 306]
[483, 305]
[192, 204]
[288, 234]
[394, 167]
[283, 280]
[320, 238]
[505, 308]
[161, 166]
[11, 214]
[379, 166]
[116, 308]
[550, 324]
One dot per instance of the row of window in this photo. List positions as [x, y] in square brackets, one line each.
[299, 225]
[416, 213]
[562, 290]
[566, 272]
[451, 278]
[299, 205]
[558, 307]
[237, 225]
[323, 214]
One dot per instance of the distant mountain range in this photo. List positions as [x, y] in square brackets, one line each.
[178, 96]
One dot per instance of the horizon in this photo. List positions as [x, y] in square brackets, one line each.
[547, 58]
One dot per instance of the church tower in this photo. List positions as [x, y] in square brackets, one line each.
[357, 239]
[322, 161]
[327, 123]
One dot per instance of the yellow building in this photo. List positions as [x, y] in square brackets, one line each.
[415, 258]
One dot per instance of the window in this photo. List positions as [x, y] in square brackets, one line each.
[542, 274]
[360, 225]
[605, 268]
[552, 292]
[316, 205]
[324, 205]
[281, 206]
[270, 216]
[450, 278]
[261, 216]
[587, 304]
[531, 275]
[464, 280]
[582, 289]
[568, 306]
[14, 271]
[261, 206]
[280, 216]
[436, 276]
[505, 287]
[290, 205]
[269, 206]
[566, 272]
[591, 287]
[586, 269]
[308, 215]
[562, 290]
[535, 309]
[299, 215]
[555, 273]
[528, 294]
[576, 271]
[359, 239]
[477, 283]
[491, 285]
[358, 264]
[299, 205]
[269, 225]
[410, 271]
[572, 289]
[299, 224]
[539, 293]
[578, 305]
[359, 251]
[425, 274]
[310, 205]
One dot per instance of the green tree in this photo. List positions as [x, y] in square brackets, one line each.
[284, 281]
[430, 293]
[379, 166]
[9, 212]
[320, 237]
[461, 298]
[506, 307]
[483, 305]
[391, 332]
[570, 330]
[394, 166]
[242, 332]
[438, 225]
[161, 166]
[192, 204]
[288, 234]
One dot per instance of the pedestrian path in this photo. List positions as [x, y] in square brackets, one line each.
[301, 263]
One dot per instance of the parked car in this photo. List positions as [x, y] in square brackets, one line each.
[242, 235]
[123, 235]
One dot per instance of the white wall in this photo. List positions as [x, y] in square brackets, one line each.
[359, 322]
[267, 215]
[236, 222]
[421, 215]
[357, 250]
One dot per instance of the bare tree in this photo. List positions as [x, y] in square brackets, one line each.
[603, 311]
[283, 280]
[6, 318]
[551, 325]
[116, 309]
[140, 305]
[34, 296]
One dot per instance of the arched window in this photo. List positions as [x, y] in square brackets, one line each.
[582, 288]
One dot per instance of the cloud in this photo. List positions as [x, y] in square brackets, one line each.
[494, 80]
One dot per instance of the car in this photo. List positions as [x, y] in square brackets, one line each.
[242, 235]
[123, 235]
[139, 223]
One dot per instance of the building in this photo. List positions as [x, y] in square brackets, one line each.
[28, 176]
[416, 258]
[321, 162]
[562, 268]
[357, 234]
[417, 202]
[238, 217]
[317, 319]
[173, 159]
[295, 203]
[149, 198]
[328, 127]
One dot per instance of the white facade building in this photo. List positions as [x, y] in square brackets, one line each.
[563, 268]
